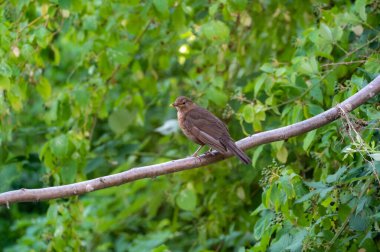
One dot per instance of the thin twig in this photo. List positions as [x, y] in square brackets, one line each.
[344, 63]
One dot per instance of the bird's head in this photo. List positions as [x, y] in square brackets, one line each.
[182, 103]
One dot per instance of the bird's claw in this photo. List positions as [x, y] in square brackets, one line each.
[210, 152]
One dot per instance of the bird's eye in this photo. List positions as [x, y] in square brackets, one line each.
[184, 102]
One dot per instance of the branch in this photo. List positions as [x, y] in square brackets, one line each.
[151, 171]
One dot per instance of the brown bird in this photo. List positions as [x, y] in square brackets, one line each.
[204, 128]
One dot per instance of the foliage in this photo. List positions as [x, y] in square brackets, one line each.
[85, 88]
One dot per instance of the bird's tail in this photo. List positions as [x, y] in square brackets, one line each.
[231, 146]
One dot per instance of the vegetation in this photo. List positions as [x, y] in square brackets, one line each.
[85, 88]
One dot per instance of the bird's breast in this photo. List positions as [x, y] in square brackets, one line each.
[185, 127]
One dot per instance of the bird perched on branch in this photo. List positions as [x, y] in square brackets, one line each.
[204, 128]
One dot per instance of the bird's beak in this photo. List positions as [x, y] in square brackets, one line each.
[173, 105]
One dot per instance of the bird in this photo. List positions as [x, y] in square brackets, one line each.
[204, 128]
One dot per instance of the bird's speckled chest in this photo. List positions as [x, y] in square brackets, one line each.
[185, 127]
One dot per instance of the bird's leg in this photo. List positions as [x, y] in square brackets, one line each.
[196, 152]
[210, 152]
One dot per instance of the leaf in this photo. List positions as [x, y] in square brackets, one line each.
[317, 185]
[335, 177]
[5, 70]
[359, 8]
[297, 242]
[249, 113]
[296, 114]
[256, 154]
[68, 172]
[15, 98]
[309, 139]
[44, 88]
[267, 68]
[282, 154]
[82, 97]
[57, 55]
[43, 36]
[308, 66]
[287, 186]
[259, 83]
[179, 19]
[187, 200]
[314, 109]
[325, 32]
[216, 31]
[60, 146]
[306, 197]
[358, 222]
[259, 111]
[364, 201]
[5, 83]
[162, 7]
[283, 242]
[238, 5]
[119, 121]
[316, 93]
[262, 225]
[276, 197]
[217, 97]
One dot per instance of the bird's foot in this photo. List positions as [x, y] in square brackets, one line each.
[210, 152]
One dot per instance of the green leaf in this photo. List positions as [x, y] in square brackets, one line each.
[119, 121]
[60, 146]
[335, 177]
[216, 31]
[256, 154]
[325, 32]
[283, 242]
[316, 93]
[5, 83]
[259, 83]
[314, 109]
[359, 222]
[5, 70]
[238, 5]
[68, 172]
[282, 154]
[162, 7]
[287, 186]
[187, 200]
[44, 88]
[310, 136]
[43, 36]
[15, 98]
[276, 197]
[306, 197]
[217, 96]
[260, 111]
[267, 68]
[297, 243]
[249, 113]
[82, 97]
[179, 19]
[262, 224]
[360, 9]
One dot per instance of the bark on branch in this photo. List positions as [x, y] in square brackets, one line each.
[33, 195]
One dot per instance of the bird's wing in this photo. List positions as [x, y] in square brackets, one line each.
[207, 128]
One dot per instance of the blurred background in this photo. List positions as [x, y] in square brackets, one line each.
[85, 89]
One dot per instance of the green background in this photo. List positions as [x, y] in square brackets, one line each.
[85, 89]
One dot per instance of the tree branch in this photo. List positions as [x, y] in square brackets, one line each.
[151, 171]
